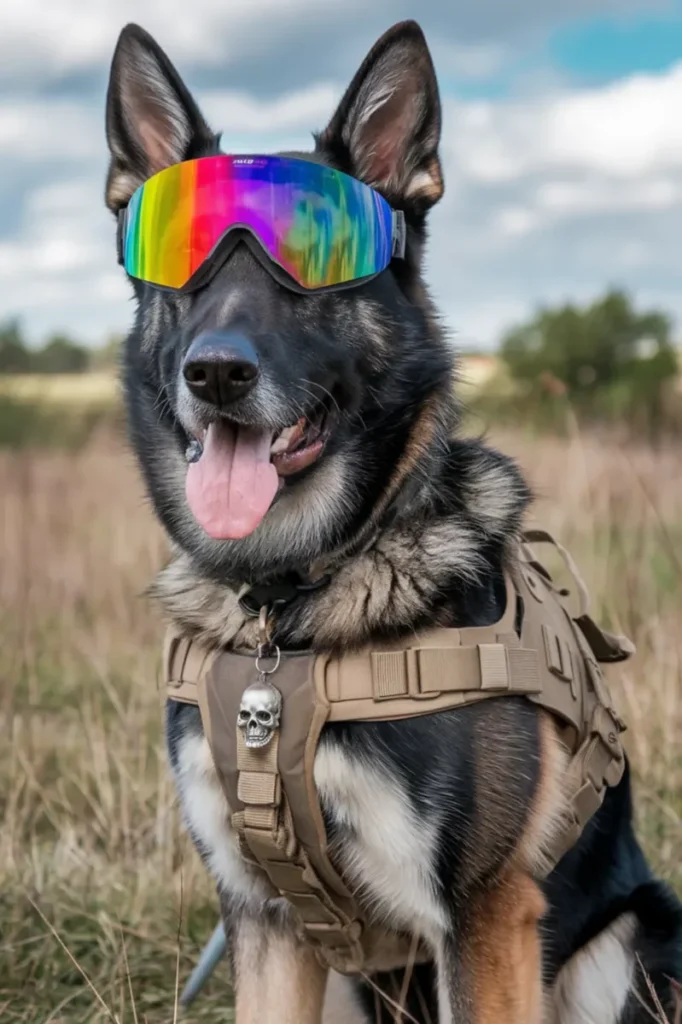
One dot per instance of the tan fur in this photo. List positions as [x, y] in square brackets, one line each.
[491, 479]
[203, 607]
[427, 426]
[120, 188]
[426, 183]
[550, 802]
[386, 584]
[276, 979]
[377, 329]
[502, 956]
[421, 437]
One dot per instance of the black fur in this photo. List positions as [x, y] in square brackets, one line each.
[414, 526]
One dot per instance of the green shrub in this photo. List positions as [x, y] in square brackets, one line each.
[602, 362]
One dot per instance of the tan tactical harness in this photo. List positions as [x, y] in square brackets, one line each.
[270, 790]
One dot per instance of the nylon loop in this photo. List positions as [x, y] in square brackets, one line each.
[389, 675]
[258, 788]
[494, 672]
[524, 670]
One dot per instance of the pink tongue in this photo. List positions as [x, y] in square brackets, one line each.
[233, 484]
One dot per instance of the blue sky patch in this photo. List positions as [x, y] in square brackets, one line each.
[603, 49]
[585, 51]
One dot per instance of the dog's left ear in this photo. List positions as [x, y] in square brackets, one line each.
[152, 120]
[386, 129]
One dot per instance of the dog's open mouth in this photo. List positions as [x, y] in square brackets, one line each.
[236, 471]
[299, 446]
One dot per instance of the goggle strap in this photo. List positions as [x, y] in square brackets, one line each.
[399, 234]
[120, 228]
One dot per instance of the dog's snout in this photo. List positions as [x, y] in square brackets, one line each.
[220, 367]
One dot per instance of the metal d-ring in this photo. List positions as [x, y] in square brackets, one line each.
[276, 655]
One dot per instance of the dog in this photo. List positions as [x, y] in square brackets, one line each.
[438, 821]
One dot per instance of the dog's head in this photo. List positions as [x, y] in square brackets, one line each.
[313, 410]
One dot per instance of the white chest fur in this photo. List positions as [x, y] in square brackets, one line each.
[384, 852]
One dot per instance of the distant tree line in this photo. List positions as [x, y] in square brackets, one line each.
[605, 361]
[59, 354]
[601, 362]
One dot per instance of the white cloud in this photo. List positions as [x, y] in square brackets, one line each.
[42, 130]
[300, 111]
[556, 201]
[65, 35]
[624, 130]
[44, 38]
[559, 195]
[60, 272]
[565, 198]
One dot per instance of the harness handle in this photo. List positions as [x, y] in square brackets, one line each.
[544, 537]
[606, 646]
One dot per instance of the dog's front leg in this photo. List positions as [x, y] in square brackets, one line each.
[277, 980]
[490, 963]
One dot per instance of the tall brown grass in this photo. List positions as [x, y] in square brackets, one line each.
[103, 904]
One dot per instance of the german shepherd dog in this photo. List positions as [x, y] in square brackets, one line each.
[438, 821]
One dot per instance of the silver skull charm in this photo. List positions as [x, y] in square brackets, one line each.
[259, 713]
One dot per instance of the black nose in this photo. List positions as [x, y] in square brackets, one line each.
[220, 367]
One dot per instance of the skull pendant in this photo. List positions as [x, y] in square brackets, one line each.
[259, 713]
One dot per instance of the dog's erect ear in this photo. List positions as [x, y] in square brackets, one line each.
[386, 129]
[152, 121]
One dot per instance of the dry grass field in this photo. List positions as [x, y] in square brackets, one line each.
[62, 389]
[103, 904]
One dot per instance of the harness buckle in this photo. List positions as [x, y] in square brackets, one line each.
[606, 767]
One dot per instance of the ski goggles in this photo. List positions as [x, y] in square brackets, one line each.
[313, 227]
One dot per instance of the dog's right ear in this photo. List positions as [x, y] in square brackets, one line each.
[386, 129]
[151, 120]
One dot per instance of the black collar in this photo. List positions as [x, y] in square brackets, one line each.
[278, 593]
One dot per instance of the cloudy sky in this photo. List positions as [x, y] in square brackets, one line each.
[562, 144]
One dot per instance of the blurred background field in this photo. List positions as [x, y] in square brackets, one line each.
[103, 903]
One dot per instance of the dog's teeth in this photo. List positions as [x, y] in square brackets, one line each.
[280, 444]
[194, 451]
[288, 437]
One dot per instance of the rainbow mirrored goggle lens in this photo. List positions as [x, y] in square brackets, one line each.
[320, 226]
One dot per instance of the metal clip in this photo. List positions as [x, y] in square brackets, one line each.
[399, 234]
[263, 628]
[265, 649]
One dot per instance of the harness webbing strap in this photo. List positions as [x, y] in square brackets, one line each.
[429, 671]
[267, 838]
[184, 664]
